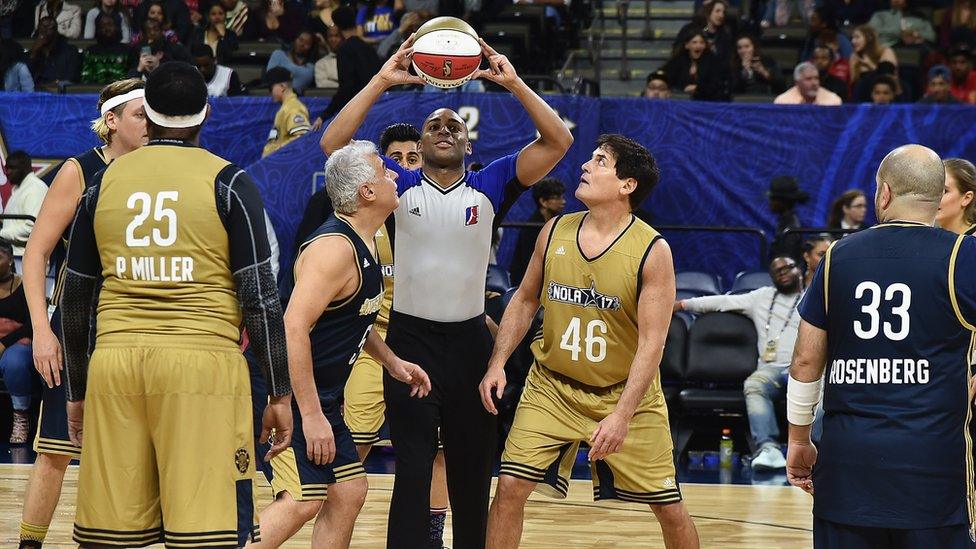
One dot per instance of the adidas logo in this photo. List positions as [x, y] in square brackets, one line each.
[415, 211]
[561, 251]
[365, 262]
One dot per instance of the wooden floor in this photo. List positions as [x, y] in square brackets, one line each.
[727, 516]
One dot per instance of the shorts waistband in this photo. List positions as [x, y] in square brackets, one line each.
[436, 326]
[579, 386]
[173, 341]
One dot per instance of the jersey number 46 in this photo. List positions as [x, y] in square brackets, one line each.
[596, 345]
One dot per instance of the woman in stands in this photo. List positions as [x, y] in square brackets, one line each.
[695, 70]
[814, 249]
[753, 72]
[957, 211]
[113, 9]
[848, 211]
[67, 16]
[221, 40]
[711, 21]
[275, 21]
[16, 365]
[122, 128]
[299, 60]
[157, 14]
[868, 52]
[958, 25]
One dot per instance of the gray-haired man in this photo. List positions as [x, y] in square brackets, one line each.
[807, 90]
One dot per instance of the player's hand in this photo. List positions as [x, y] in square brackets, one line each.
[500, 70]
[412, 375]
[608, 438]
[276, 425]
[47, 357]
[319, 439]
[396, 69]
[800, 457]
[493, 382]
[76, 419]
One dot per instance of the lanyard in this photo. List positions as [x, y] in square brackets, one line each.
[769, 318]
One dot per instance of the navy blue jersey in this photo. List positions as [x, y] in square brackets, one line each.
[898, 303]
[340, 333]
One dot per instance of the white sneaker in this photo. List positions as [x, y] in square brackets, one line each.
[769, 458]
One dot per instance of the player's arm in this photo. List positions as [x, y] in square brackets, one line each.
[394, 72]
[653, 319]
[401, 370]
[539, 157]
[516, 321]
[57, 211]
[324, 270]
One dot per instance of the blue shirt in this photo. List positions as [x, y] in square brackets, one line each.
[18, 79]
[302, 76]
[898, 303]
[378, 27]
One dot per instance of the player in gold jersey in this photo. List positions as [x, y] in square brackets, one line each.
[606, 282]
[172, 241]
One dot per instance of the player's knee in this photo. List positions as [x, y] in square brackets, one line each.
[302, 510]
[52, 462]
[671, 515]
[511, 490]
[357, 493]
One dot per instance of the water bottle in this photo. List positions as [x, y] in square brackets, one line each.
[725, 450]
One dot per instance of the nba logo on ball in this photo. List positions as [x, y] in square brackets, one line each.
[446, 52]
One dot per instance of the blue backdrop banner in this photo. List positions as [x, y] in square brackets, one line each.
[716, 160]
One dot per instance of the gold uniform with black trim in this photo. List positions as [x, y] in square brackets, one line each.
[291, 122]
[583, 356]
[364, 410]
[168, 428]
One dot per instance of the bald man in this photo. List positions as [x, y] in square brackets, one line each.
[890, 315]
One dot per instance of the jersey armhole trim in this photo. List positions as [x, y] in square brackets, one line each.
[640, 268]
[952, 283]
[81, 173]
[332, 306]
[545, 252]
[826, 282]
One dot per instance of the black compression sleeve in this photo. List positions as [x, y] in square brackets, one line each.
[240, 207]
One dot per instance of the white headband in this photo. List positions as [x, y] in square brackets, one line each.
[113, 102]
[167, 121]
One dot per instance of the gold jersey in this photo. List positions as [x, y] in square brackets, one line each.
[384, 253]
[589, 331]
[164, 249]
[290, 123]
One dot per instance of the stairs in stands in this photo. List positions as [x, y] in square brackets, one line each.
[646, 48]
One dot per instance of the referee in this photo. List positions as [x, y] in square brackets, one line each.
[444, 226]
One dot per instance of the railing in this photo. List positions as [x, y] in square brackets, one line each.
[622, 7]
[648, 33]
[819, 230]
[596, 47]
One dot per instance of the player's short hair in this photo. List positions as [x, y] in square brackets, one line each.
[344, 18]
[345, 171]
[201, 50]
[549, 187]
[964, 173]
[915, 173]
[119, 87]
[396, 133]
[175, 89]
[632, 160]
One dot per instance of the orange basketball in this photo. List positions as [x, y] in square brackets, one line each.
[446, 52]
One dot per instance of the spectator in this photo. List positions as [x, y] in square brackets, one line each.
[409, 24]
[657, 86]
[695, 70]
[67, 16]
[114, 10]
[52, 60]
[376, 19]
[957, 211]
[430, 8]
[153, 50]
[275, 21]
[938, 87]
[752, 72]
[550, 200]
[291, 121]
[105, 60]
[884, 89]
[829, 68]
[156, 12]
[327, 68]
[823, 32]
[320, 18]
[221, 40]
[807, 90]
[784, 194]
[898, 25]
[958, 24]
[221, 81]
[16, 355]
[849, 210]
[356, 60]
[814, 250]
[16, 74]
[850, 13]
[299, 61]
[236, 15]
[175, 16]
[26, 195]
[868, 52]
[710, 22]
[773, 312]
[963, 84]
[779, 12]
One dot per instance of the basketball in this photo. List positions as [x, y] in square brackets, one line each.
[446, 52]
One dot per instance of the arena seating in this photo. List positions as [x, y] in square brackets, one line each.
[748, 281]
[698, 283]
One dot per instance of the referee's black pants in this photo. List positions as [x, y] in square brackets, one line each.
[455, 356]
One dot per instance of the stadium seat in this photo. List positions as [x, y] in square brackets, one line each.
[748, 281]
[702, 283]
[497, 280]
[721, 355]
[673, 361]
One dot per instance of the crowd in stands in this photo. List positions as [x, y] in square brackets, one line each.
[858, 51]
